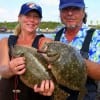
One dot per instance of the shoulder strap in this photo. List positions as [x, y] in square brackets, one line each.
[12, 40]
[35, 43]
[85, 47]
[90, 84]
[58, 34]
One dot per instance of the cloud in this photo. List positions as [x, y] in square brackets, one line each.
[49, 2]
[50, 9]
[2, 11]
[7, 15]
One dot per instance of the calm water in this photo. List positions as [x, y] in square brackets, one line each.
[2, 35]
[51, 35]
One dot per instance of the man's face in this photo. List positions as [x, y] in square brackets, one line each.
[72, 16]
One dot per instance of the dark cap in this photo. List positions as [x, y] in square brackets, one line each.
[27, 7]
[67, 3]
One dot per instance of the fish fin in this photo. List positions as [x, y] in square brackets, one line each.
[59, 94]
[82, 93]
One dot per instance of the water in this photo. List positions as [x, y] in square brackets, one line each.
[3, 35]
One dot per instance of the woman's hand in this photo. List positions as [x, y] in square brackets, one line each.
[46, 88]
[17, 65]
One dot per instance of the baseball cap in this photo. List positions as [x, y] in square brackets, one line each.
[68, 3]
[27, 7]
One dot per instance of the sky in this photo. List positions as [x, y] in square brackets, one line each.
[9, 9]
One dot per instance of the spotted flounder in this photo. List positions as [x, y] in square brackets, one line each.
[36, 69]
[68, 66]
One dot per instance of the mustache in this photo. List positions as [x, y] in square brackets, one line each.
[70, 18]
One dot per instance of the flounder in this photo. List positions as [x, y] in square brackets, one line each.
[68, 66]
[36, 69]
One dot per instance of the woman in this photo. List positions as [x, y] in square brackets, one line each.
[11, 88]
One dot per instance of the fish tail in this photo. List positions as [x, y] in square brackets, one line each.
[59, 94]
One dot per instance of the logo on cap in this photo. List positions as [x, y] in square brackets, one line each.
[31, 5]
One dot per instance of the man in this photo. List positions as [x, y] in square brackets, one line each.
[72, 14]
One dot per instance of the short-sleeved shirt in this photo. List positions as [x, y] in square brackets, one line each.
[94, 48]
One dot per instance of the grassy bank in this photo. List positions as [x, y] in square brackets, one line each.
[43, 25]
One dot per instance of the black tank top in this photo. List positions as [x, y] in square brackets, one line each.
[7, 86]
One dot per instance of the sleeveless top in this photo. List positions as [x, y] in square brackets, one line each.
[9, 86]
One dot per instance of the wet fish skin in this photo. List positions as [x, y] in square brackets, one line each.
[68, 66]
[36, 69]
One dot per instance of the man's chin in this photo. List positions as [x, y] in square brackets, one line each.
[72, 26]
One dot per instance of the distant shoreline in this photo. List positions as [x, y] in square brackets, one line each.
[6, 34]
[42, 31]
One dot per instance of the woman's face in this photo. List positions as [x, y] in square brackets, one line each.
[72, 16]
[29, 22]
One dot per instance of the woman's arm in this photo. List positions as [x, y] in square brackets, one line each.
[4, 59]
[9, 68]
[42, 41]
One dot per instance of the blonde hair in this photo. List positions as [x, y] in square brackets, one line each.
[17, 30]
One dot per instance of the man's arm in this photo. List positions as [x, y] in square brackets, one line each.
[93, 69]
